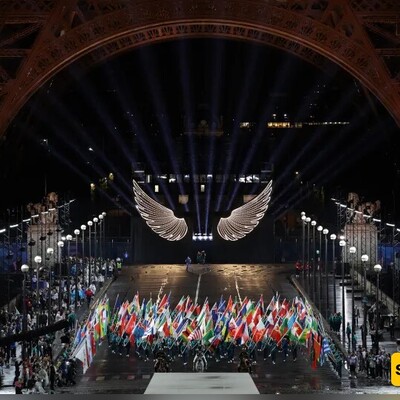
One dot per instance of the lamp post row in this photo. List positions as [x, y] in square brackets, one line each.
[50, 252]
[306, 221]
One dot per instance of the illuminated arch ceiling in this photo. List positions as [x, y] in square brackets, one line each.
[359, 36]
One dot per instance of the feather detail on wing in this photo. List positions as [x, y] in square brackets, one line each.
[158, 217]
[246, 217]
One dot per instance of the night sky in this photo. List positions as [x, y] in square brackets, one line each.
[131, 111]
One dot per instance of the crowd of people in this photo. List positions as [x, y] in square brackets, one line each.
[373, 364]
[38, 368]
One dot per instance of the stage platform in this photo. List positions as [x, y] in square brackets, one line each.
[201, 383]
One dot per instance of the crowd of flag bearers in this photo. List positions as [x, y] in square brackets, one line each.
[148, 326]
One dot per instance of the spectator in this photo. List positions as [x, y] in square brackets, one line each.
[89, 295]
[188, 261]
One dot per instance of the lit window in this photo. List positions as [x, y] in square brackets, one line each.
[156, 188]
[183, 199]
[172, 178]
[202, 188]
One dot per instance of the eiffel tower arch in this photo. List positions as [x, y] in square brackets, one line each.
[42, 37]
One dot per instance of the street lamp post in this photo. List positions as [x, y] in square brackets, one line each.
[364, 259]
[38, 260]
[90, 223]
[100, 243]
[76, 232]
[95, 221]
[308, 220]
[31, 243]
[377, 269]
[83, 228]
[60, 245]
[24, 270]
[50, 252]
[313, 224]
[352, 251]
[325, 232]
[342, 244]
[68, 238]
[303, 238]
[333, 238]
[319, 229]
[104, 233]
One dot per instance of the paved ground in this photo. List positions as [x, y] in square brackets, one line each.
[111, 373]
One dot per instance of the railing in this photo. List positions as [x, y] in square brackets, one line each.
[370, 288]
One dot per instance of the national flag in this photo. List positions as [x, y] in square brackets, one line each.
[187, 332]
[163, 303]
[88, 344]
[187, 304]
[295, 331]
[216, 340]
[284, 308]
[292, 320]
[182, 325]
[143, 308]
[325, 351]
[92, 343]
[303, 338]
[326, 348]
[81, 355]
[97, 329]
[203, 311]
[221, 305]
[134, 306]
[239, 331]
[270, 319]
[261, 302]
[148, 312]
[273, 304]
[166, 329]
[191, 310]
[245, 335]
[243, 307]
[284, 326]
[214, 312]
[130, 324]
[258, 331]
[150, 330]
[196, 334]
[276, 333]
[208, 331]
[179, 306]
[257, 314]
[139, 330]
[122, 323]
[229, 305]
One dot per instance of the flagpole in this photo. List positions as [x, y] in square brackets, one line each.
[115, 304]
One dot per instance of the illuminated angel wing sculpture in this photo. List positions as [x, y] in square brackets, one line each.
[246, 217]
[159, 218]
